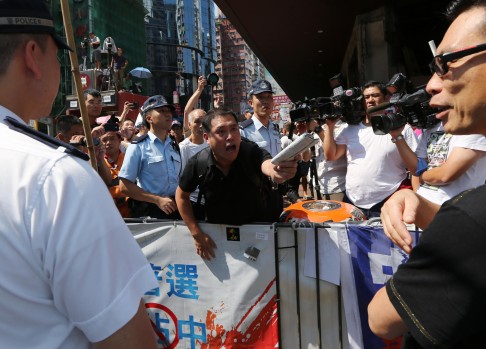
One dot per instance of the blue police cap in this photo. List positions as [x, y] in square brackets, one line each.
[260, 86]
[155, 102]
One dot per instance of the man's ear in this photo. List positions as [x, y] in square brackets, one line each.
[250, 101]
[32, 54]
[148, 118]
[206, 137]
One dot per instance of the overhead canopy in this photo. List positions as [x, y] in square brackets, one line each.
[303, 43]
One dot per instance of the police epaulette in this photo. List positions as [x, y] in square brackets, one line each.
[45, 139]
[140, 139]
[246, 123]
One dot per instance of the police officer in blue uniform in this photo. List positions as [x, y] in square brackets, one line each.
[260, 128]
[152, 165]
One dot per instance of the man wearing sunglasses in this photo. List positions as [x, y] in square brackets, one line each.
[436, 299]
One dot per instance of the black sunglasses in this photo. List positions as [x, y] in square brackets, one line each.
[439, 63]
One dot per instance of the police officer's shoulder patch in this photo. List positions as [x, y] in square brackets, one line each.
[246, 123]
[140, 139]
[45, 139]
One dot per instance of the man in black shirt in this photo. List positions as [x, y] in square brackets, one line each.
[235, 176]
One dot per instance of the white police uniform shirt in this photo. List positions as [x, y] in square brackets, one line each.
[267, 138]
[153, 164]
[61, 240]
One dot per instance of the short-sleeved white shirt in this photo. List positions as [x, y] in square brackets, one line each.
[188, 150]
[375, 167]
[71, 272]
[435, 145]
[331, 174]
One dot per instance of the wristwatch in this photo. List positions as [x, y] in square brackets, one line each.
[399, 138]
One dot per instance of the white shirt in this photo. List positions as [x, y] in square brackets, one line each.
[375, 167]
[435, 145]
[331, 174]
[188, 150]
[71, 272]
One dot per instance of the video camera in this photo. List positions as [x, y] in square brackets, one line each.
[413, 109]
[346, 105]
[85, 42]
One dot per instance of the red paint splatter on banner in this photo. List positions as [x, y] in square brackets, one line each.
[261, 333]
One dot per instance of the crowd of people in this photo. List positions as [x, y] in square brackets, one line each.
[214, 168]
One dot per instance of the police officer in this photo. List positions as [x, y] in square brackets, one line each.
[260, 128]
[57, 220]
[152, 165]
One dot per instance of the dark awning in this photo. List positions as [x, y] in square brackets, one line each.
[302, 43]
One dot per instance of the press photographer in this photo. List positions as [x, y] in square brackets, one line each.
[403, 108]
[375, 169]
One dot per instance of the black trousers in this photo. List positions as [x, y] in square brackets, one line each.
[146, 209]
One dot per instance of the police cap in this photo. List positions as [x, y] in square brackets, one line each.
[28, 16]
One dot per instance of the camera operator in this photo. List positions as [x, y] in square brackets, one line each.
[95, 44]
[375, 169]
[331, 175]
[302, 165]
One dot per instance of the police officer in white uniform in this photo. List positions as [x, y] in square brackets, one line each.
[71, 272]
[260, 128]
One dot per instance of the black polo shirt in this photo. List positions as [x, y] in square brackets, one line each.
[240, 197]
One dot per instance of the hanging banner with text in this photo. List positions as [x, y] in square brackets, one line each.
[227, 302]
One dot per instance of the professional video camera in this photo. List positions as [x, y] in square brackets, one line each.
[85, 42]
[411, 108]
[347, 105]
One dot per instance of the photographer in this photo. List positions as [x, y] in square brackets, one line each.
[113, 161]
[375, 169]
[302, 165]
[331, 175]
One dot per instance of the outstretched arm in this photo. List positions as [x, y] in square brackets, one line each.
[281, 172]
[192, 102]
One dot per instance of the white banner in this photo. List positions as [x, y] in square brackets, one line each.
[228, 302]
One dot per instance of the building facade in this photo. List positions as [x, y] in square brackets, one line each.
[120, 20]
[181, 46]
[237, 66]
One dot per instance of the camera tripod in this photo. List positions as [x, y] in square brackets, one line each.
[107, 82]
[314, 176]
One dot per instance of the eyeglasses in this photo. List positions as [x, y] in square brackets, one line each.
[439, 63]
[374, 95]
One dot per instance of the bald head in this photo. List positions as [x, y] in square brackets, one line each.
[196, 113]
